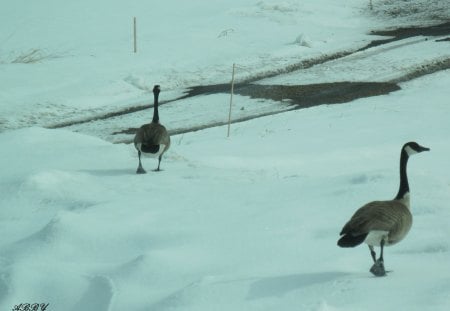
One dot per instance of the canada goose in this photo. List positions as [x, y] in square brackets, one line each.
[383, 223]
[152, 138]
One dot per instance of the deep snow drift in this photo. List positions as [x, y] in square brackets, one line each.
[246, 223]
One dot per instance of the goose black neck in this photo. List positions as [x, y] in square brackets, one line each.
[155, 108]
[404, 186]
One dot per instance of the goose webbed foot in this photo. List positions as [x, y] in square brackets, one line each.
[378, 268]
[159, 164]
[140, 170]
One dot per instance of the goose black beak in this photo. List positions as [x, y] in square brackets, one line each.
[424, 149]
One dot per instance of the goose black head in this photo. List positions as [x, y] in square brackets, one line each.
[413, 148]
[156, 89]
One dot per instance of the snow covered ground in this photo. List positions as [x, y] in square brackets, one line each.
[88, 65]
[248, 222]
[62, 61]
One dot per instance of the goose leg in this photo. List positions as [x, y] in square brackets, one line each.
[382, 248]
[373, 254]
[159, 163]
[378, 267]
[140, 169]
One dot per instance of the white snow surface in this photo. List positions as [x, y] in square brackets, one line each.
[248, 222]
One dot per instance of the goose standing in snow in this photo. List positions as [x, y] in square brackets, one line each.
[383, 223]
[152, 138]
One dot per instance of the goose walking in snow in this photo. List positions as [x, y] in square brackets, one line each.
[152, 138]
[383, 223]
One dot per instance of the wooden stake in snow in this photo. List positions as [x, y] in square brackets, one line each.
[134, 35]
[231, 99]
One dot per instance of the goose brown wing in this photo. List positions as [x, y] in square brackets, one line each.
[378, 215]
[152, 134]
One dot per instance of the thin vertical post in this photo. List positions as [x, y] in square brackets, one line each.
[134, 35]
[231, 99]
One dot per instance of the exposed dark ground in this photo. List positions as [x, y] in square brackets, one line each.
[303, 96]
[300, 96]
[330, 92]
[403, 33]
[412, 12]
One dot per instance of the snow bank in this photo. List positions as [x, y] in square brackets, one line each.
[246, 223]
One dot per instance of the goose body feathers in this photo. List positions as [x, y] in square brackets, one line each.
[383, 223]
[376, 220]
[152, 139]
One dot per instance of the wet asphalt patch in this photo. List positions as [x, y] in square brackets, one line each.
[408, 32]
[303, 96]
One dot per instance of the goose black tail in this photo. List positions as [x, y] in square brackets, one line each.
[146, 148]
[349, 240]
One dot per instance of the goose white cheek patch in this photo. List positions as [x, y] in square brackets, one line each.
[410, 151]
